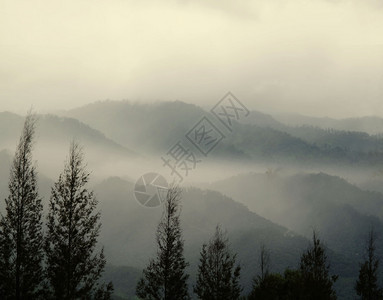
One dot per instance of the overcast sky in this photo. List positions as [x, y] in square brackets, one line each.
[315, 57]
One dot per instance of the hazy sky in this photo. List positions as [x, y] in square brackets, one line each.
[317, 57]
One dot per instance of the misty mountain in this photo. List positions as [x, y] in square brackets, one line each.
[351, 141]
[56, 130]
[349, 138]
[281, 210]
[128, 231]
[150, 127]
[53, 136]
[308, 156]
[340, 211]
[154, 128]
[263, 120]
[369, 124]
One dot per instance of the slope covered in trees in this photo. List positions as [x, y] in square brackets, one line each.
[339, 210]
[153, 127]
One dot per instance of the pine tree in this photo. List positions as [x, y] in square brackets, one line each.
[21, 236]
[317, 283]
[165, 278]
[367, 284]
[74, 267]
[218, 277]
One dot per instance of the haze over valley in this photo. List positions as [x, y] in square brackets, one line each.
[213, 150]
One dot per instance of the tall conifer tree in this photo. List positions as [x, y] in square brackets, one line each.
[367, 284]
[165, 278]
[74, 266]
[21, 236]
[315, 272]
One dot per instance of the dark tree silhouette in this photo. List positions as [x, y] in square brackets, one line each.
[367, 284]
[317, 283]
[21, 237]
[165, 277]
[264, 261]
[218, 277]
[263, 284]
[74, 267]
